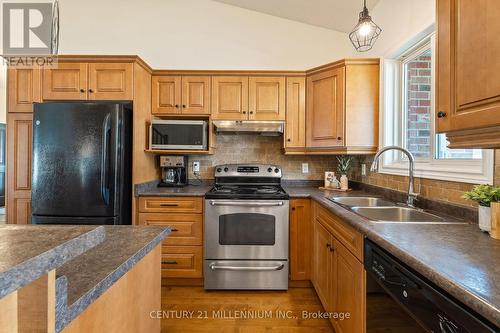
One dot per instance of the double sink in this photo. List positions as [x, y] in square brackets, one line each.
[381, 210]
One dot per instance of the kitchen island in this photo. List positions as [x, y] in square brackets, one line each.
[80, 278]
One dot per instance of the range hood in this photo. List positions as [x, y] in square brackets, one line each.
[267, 128]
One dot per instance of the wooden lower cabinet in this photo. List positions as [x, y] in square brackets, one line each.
[19, 148]
[338, 277]
[300, 239]
[182, 250]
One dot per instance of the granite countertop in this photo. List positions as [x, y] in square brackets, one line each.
[79, 282]
[458, 258]
[152, 190]
[31, 251]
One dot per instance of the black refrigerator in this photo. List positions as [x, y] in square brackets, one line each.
[82, 156]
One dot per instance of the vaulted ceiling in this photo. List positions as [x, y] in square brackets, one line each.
[340, 15]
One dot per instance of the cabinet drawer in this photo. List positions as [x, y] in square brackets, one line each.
[182, 262]
[344, 233]
[171, 205]
[187, 229]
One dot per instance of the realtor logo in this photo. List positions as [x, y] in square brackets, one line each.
[27, 28]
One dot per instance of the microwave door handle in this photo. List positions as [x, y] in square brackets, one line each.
[246, 203]
[215, 267]
[105, 159]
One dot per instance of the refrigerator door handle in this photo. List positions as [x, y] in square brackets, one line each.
[105, 159]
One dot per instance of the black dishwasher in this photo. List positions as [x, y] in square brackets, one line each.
[430, 307]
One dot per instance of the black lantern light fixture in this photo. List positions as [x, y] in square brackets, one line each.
[365, 33]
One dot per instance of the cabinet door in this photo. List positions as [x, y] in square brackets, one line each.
[19, 148]
[166, 94]
[322, 262]
[196, 95]
[325, 109]
[110, 81]
[349, 291]
[468, 64]
[66, 82]
[300, 239]
[24, 88]
[187, 229]
[266, 98]
[295, 131]
[230, 97]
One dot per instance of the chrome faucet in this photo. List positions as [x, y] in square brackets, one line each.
[411, 169]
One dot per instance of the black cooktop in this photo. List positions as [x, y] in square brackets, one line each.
[257, 192]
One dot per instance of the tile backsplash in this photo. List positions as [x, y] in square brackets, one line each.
[261, 149]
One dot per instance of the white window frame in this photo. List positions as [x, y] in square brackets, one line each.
[479, 171]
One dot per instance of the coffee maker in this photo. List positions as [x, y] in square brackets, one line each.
[173, 171]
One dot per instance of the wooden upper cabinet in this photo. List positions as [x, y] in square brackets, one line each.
[343, 107]
[295, 129]
[66, 82]
[166, 94]
[325, 109]
[195, 95]
[300, 239]
[468, 72]
[20, 138]
[266, 98]
[24, 88]
[110, 81]
[175, 94]
[230, 97]
[93, 81]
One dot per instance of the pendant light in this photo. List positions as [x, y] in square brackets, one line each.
[365, 33]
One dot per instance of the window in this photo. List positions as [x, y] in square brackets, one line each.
[408, 121]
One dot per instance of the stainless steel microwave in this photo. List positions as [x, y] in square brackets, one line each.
[178, 134]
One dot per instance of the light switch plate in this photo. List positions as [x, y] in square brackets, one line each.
[363, 169]
[305, 167]
[196, 166]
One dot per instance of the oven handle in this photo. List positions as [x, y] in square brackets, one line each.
[215, 267]
[246, 203]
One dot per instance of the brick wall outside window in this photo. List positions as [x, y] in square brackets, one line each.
[418, 105]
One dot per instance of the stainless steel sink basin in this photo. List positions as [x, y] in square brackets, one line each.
[362, 201]
[399, 215]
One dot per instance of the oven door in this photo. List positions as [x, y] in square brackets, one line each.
[246, 229]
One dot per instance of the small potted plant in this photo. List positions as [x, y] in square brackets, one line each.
[484, 195]
[344, 164]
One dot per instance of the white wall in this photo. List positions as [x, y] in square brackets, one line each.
[401, 21]
[196, 34]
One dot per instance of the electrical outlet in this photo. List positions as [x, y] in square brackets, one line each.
[305, 167]
[196, 166]
[363, 169]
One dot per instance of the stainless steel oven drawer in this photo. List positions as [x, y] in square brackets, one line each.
[246, 274]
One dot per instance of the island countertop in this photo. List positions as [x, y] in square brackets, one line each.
[81, 281]
[31, 251]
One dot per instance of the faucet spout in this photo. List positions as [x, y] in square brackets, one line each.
[411, 195]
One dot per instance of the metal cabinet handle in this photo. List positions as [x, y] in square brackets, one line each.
[251, 112]
[168, 205]
[169, 262]
[245, 203]
[328, 245]
[215, 267]
[441, 114]
[244, 112]
[183, 105]
[82, 90]
[174, 230]
[339, 138]
[91, 91]
[177, 105]
[289, 140]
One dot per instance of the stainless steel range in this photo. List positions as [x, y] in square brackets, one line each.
[246, 229]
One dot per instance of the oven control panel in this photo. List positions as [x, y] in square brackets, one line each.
[248, 170]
